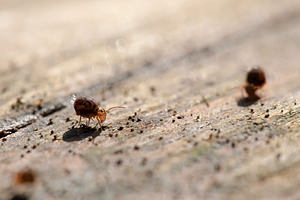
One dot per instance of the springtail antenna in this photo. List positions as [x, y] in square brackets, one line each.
[114, 108]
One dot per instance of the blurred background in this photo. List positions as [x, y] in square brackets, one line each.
[178, 64]
[60, 47]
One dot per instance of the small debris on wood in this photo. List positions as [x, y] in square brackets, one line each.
[25, 177]
[19, 197]
[19, 104]
[205, 101]
[119, 162]
[233, 145]
[38, 104]
[50, 122]
[152, 90]
[54, 138]
[118, 151]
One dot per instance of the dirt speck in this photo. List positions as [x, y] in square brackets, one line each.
[19, 197]
[25, 177]
[119, 162]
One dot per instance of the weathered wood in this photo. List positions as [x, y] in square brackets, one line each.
[177, 66]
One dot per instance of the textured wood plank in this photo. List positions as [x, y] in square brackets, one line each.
[177, 66]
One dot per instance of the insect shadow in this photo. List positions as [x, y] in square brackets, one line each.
[77, 134]
[246, 101]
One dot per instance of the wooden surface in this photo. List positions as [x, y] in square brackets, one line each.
[177, 66]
